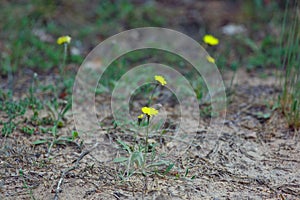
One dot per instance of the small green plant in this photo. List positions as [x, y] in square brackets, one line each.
[13, 110]
[57, 109]
[8, 128]
[56, 119]
[25, 185]
[142, 155]
[28, 130]
[64, 40]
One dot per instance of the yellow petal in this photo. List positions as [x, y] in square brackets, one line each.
[149, 111]
[141, 116]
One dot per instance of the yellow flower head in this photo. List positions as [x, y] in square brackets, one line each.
[210, 59]
[160, 79]
[141, 116]
[149, 111]
[210, 40]
[64, 39]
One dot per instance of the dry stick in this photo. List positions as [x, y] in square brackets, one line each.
[65, 172]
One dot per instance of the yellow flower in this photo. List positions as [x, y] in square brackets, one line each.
[210, 40]
[149, 111]
[160, 79]
[141, 116]
[63, 39]
[210, 59]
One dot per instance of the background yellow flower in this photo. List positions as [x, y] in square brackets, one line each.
[210, 59]
[64, 39]
[161, 80]
[210, 40]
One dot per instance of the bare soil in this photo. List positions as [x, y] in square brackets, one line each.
[255, 156]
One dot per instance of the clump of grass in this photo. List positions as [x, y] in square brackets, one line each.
[290, 97]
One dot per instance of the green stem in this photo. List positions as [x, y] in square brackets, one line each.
[146, 147]
[147, 134]
[61, 70]
[151, 97]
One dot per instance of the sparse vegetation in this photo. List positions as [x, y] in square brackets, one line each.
[290, 97]
[42, 153]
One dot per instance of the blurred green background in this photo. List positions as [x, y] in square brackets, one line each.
[29, 28]
[254, 35]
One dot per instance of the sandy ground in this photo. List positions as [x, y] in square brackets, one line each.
[253, 157]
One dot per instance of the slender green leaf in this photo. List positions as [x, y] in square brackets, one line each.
[75, 134]
[137, 156]
[124, 145]
[37, 142]
[120, 159]
[168, 168]
[159, 163]
[186, 172]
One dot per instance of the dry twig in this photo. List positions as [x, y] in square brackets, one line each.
[68, 170]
